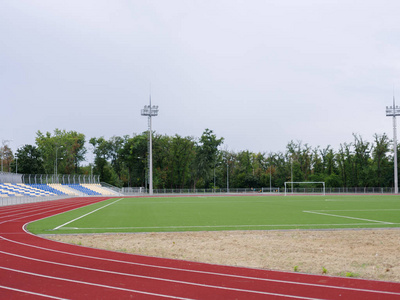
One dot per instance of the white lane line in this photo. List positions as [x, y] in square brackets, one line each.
[347, 217]
[69, 206]
[58, 227]
[150, 278]
[33, 210]
[156, 278]
[205, 272]
[56, 209]
[37, 213]
[92, 284]
[30, 293]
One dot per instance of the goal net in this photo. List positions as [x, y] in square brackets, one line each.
[308, 187]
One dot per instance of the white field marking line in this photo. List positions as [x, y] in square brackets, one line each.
[194, 202]
[149, 278]
[347, 217]
[203, 272]
[29, 292]
[347, 200]
[58, 227]
[92, 284]
[335, 200]
[216, 226]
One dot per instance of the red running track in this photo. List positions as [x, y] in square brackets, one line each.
[35, 268]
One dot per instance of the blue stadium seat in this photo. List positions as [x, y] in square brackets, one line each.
[84, 190]
[47, 189]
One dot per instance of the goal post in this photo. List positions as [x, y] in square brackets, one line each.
[309, 187]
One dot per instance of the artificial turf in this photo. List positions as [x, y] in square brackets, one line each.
[206, 213]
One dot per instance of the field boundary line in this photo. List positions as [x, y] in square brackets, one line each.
[80, 217]
[378, 209]
[218, 226]
[347, 217]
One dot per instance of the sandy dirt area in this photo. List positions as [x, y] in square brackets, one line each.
[369, 254]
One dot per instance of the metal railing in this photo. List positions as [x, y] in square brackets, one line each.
[60, 178]
[4, 201]
[272, 190]
[207, 191]
[360, 190]
[6, 177]
[132, 191]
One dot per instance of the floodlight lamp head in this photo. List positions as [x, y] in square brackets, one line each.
[154, 110]
[392, 111]
[150, 111]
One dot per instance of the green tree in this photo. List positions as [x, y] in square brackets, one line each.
[381, 165]
[6, 158]
[102, 151]
[28, 160]
[180, 162]
[133, 157]
[63, 151]
[181, 155]
[206, 157]
[362, 162]
[296, 164]
[345, 165]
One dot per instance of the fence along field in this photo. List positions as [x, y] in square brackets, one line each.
[205, 213]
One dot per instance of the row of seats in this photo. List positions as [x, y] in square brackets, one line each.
[64, 189]
[99, 189]
[83, 189]
[40, 190]
[20, 189]
[48, 188]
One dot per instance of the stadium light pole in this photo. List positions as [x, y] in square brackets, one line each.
[393, 111]
[57, 147]
[214, 179]
[270, 173]
[291, 171]
[270, 179]
[150, 111]
[16, 159]
[227, 176]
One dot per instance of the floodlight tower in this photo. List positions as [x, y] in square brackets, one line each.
[393, 111]
[150, 111]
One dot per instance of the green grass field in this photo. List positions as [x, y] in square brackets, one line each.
[225, 213]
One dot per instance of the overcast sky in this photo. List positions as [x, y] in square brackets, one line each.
[258, 73]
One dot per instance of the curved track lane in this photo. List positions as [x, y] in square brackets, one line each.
[35, 268]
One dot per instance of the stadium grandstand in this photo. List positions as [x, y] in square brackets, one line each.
[18, 185]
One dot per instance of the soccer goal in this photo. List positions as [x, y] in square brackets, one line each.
[307, 187]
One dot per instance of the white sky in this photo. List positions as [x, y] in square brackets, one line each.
[258, 73]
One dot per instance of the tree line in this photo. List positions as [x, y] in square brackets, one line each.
[188, 162]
